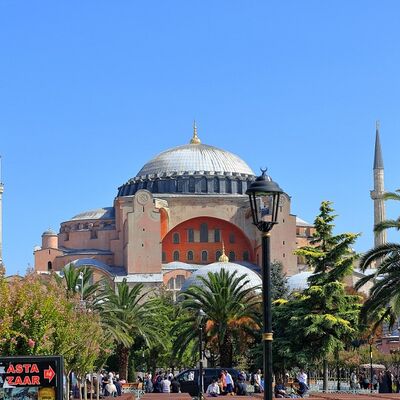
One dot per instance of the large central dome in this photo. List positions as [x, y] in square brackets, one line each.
[192, 158]
[194, 168]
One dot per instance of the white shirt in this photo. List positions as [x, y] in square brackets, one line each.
[302, 377]
[166, 386]
[213, 388]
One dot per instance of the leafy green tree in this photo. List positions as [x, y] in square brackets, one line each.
[383, 303]
[325, 316]
[330, 256]
[232, 314]
[279, 286]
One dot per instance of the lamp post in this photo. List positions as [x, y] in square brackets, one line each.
[81, 278]
[270, 191]
[370, 341]
[201, 380]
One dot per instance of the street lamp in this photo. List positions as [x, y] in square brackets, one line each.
[201, 314]
[370, 341]
[270, 192]
[81, 278]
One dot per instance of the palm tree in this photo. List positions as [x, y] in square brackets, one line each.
[128, 314]
[384, 300]
[231, 308]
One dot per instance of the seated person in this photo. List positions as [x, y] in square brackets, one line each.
[280, 390]
[300, 387]
[213, 389]
[241, 387]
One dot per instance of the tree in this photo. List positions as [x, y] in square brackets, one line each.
[128, 307]
[330, 256]
[324, 315]
[232, 314]
[279, 286]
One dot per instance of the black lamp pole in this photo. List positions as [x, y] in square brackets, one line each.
[371, 339]
[201, 380]
[270, 192]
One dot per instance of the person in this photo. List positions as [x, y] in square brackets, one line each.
[302, 377]
[374, 380]
[229, 383]
[222, 382]
[302, 388]
[353, 380]
[166, 384]
[258, 388]
[175, 386]
[280, 390]
[241, 387]
[213, 389]
[148, 384]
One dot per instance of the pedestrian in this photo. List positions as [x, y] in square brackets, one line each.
[175, 386]
[166, 384]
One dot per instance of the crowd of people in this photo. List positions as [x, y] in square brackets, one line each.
[383, 381]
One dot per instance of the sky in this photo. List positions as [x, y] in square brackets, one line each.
[91, 90]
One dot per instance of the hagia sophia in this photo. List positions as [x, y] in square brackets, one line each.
[185, 212]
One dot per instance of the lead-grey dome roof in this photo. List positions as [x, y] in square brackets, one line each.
[253, 277]
[192, 158]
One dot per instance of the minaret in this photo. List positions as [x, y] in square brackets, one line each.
[379, 190]
[1, 216]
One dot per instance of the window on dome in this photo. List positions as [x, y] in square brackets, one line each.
[176, 255]
[231, 237]
[175, 238]
[216, 185]
[246, 256]
[192, 185]
[163, 256]
[190, 235]
[228, 186]
[179, 185]
[217, 235]
[190, 255]
[204, 256]
[170, 284]
[240, 186]
[232, 256]
[155, 186]
[203, 185]
[179, 281]
[204, 233]
[218, 254]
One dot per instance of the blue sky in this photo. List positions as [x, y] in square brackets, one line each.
[90, 91]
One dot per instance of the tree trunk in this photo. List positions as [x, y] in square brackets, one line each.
[225, 352]
[325, 375]
[123, 359]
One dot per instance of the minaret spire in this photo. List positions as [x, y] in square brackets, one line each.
[195, 139]
[379, 189]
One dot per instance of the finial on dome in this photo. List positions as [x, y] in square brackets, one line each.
[223, 257]
[195, 139]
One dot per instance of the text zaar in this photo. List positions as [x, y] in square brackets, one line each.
[23, 368]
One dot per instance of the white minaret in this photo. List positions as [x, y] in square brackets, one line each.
[379, 190]
[1, 216]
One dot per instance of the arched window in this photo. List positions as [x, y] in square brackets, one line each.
[163, 256]
[228, 185]
[232, 256]
[240, 186]
[216, 185]
[203, 233]
[170, 284]
[176, 255]
[246, 256]
[218, 254]
[190, 255]
[231, 237]
[179, 281]
[192, 185]
[49, 266]
[155, 186]
[179, 185]
[217, 235]
[190, 235]
[175, 238]
[203, 185]
[204, 256]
